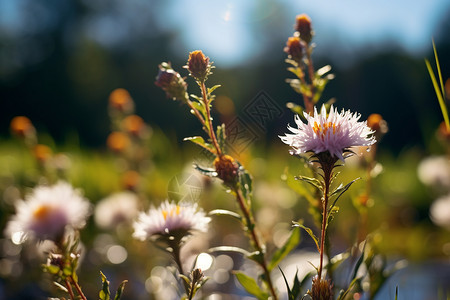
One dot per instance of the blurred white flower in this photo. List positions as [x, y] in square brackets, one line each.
[170, 219]
[115, 209]
[435, 171]
[47, 212]
[440, 211]
[334, 133]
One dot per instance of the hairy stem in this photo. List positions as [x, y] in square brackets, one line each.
[212, 135]
[327, 170]
[256, 243]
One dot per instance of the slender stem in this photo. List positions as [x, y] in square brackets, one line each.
[256, 243]
[327, 176]
[306, 100]
[78, 288]
[175, 245]
[196, 113]
[69, 289]
[310, 72]
[212, 135]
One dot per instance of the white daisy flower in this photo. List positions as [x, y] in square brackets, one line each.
[335, 133]
[435, 171]
[116, 208]
[168, 219]
[47, 212]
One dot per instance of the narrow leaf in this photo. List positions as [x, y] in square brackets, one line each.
[201, 142]
[290, 296]
[224, 212]
[104, 292]
[229, 249]
[438, 68]
[340, 190]
[251, 286]
[120, 290]
[309, 231]
[312, 181]
[438, 95]
[212, 89]
[289, 245]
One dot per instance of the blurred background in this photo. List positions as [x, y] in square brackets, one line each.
[61, 60]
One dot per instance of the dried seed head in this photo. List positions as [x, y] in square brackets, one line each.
[303, 27]
[198, 65]
[226, 168]
[295, 48]
[321, 289]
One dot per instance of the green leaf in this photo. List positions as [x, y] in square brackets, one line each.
[438, 94]
[104, 292]
[340, 190]
[245, 184]
[224, 212]
[309, 231]
[290, 295]
[251, 286]
[221, 136]
[230, 249]
[289, 245]
[312, 181]
[201, 142]
[212, 89]
[60, 286]
[120, 290]
[206, 171]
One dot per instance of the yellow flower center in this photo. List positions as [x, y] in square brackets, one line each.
[322, 130]
[172, 212]
[42, 212]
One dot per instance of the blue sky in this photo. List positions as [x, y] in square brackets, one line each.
[228, 30]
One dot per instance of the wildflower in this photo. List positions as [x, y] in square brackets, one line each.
[117, 141]
[171, 82]
[134, 125]
[303, 27]
[47, 212]
[22, 126]
[439, 211]
[334, 133]
[42, 153]
[435, 171]
[295, 47]
[226, 168]
[130, 180]
[116, 209]
[170, 219]
[120, 99]
[198, 65]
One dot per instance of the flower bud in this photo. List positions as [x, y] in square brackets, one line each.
[117, 141]
[134, 125]
[377, 124]
[303, 27]
[443, 132]
[120, 99]
[130, 180]
[171, 82]
[294, 47]
[42, 153]
[198, 65]
[226, 168]
[22, 126]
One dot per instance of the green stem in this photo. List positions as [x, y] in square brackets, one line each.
[212, 135]
[256, 243]
[310, 72]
